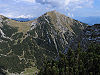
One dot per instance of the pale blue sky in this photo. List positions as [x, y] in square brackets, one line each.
[35, 8]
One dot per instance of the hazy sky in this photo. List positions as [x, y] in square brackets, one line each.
[35, 8]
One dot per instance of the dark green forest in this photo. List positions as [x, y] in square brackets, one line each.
[75, 62]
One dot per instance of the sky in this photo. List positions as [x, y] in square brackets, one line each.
[36, 8]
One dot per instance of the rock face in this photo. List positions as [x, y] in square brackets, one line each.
[93, 33]
[26, 44]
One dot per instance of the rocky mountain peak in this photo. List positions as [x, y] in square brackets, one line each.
[54, 14]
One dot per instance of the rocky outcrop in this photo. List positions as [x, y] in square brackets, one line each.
[93, 33]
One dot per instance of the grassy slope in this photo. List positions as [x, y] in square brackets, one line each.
[22, 26]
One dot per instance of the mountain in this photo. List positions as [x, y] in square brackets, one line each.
[25, 45]
[89, 20]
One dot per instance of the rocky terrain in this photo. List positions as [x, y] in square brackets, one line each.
[93, 33]
[24, 45]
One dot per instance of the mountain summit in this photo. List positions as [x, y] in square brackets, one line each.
[24, 45]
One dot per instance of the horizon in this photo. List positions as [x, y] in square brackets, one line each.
[46, 12]
[36, 8]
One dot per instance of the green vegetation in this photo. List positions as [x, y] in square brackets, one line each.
[17, 36]
[8, 30]
[78, 62]
[2, 72]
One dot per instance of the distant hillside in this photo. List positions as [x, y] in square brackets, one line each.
[89, 20]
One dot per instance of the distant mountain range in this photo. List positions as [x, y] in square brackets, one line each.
[23, 19]
[89, 20]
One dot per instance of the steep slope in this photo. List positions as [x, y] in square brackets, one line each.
[27, 44]
[90, 35]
